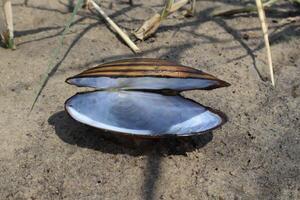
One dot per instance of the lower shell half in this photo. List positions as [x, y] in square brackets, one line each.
[143, 114]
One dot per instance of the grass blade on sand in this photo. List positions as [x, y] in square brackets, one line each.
[247, 9]
[55, 53]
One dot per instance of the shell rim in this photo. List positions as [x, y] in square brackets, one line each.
[220, 84]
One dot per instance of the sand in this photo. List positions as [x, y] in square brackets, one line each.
[48, 155]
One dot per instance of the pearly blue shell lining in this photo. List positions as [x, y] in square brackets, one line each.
[141, 113]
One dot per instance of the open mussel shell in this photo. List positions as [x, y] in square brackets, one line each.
[140, 97]
[145, 74]
[145, 114]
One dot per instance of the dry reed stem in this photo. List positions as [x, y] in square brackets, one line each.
[264, 27]
[115, 27]
[151, 25]
[177, 5]
[9, 35]
[192, 11]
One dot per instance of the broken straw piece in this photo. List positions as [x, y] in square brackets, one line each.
[151, 25]
[262, 18]
[115, 27]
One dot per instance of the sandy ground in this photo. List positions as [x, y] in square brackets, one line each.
[255, 155]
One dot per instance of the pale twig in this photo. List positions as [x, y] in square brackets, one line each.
[264, 27]
[115, 27]
[151, 25]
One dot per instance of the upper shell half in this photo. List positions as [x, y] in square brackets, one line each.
[145, 74]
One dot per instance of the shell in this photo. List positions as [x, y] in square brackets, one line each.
[145, 74]
[131, 98]
[143, 113]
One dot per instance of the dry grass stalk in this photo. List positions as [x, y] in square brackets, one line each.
[151, 25]
[264, 27]
[115, 27]
[8, 35]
